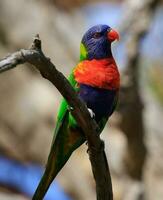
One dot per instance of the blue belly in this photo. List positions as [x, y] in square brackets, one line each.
[101, 101]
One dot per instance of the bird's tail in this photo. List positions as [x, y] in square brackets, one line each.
[66, 141]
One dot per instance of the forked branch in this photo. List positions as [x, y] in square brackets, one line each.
[97, 156]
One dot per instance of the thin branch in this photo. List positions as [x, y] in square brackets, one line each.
[97, 156]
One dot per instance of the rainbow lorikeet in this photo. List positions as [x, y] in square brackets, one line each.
[96, 79]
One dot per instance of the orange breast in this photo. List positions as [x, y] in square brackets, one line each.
[98, 73]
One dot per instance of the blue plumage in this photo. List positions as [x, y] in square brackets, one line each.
[100, 101]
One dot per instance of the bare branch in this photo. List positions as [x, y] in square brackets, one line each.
[97, 156]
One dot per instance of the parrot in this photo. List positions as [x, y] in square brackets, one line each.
[96, 79]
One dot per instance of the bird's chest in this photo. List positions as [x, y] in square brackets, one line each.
[99, 100]
[98, 73]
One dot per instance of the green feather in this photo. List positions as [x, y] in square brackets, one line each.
[67, 137]
[64, 107]
[83, 52]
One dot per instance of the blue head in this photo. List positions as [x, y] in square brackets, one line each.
[96, 42]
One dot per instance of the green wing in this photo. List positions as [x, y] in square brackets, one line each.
[67, 137]
[64, 105]
[63, 109]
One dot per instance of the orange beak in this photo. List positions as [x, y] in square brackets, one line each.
[112, 35]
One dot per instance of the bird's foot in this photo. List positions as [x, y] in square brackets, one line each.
[87, 146]
[69, 108]
[94, 149]
[92, 114]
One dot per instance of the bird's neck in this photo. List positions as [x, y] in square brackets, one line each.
[85, 55]
[109, 56]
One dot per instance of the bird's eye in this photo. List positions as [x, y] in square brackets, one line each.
[96, 35]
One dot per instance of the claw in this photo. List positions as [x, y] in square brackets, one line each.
[70, 108]
[92, 114]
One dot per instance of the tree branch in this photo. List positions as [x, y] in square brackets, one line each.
[97, 156]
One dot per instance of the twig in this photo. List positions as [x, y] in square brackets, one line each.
[97, 156]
